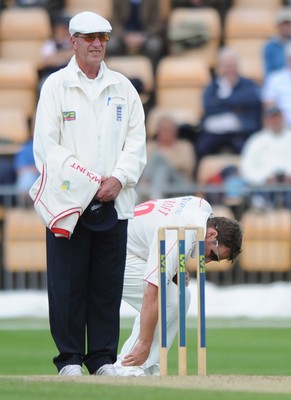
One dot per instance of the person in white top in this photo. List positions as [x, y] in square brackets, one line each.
[223, 237]
[89, 127]
[265, 158]
[56, 51]
[166, 174]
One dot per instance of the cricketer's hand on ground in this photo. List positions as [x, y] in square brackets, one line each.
[109, 189]
[138, 356]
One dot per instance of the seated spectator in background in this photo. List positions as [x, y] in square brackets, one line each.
[138, 29]
[265, 157]
[277, 88]
[20, 171]
[274, 48]
[57, 51]
[265, 160]
[25, 170]
[231, 108]
[170, 165]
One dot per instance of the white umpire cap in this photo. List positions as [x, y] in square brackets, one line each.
[88, 22]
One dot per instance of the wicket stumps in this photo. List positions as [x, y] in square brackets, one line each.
[181, 274]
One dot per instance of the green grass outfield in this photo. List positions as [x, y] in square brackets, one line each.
[27, 372]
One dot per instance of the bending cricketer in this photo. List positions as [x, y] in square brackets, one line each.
[223, 238]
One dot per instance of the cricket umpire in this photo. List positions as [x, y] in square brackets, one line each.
[89, 146]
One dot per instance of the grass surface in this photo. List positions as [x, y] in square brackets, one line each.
[235, 351]
[12, 390]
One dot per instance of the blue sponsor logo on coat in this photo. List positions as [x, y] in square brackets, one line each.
[118, 113]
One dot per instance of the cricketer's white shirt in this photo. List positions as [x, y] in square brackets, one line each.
[149, 216]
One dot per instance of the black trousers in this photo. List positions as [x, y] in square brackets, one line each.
[85, 282]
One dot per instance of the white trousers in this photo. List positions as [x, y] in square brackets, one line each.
[133, 292]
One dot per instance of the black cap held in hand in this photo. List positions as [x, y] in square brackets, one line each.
[99, 216]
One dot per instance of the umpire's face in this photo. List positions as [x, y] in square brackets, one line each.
[89, 50]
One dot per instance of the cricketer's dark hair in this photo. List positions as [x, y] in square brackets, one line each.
[229, 234]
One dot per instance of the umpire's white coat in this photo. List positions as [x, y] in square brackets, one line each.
[100, 121]
[63, 191]
[142, 263]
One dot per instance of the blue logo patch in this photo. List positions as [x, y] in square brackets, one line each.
[118, 113]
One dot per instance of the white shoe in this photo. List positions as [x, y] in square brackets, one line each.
[106, 369]
[72, 369]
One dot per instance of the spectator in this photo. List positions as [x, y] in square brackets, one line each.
[232, 108]
[171, 163]
[266, 154]
[57, 51]
[274, 48]
[25, 170]
[277, 88]
[20, 170]
[138, 29]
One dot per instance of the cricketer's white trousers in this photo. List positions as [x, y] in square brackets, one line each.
[133, 291]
